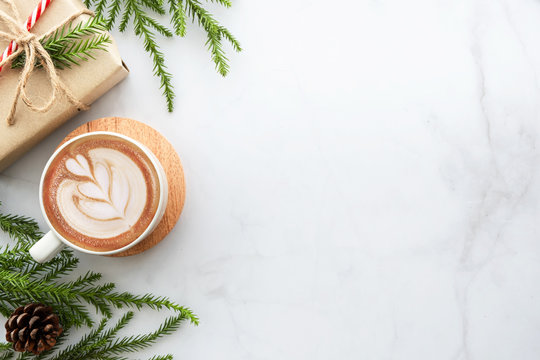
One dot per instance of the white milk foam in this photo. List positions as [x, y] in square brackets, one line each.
[109, 201]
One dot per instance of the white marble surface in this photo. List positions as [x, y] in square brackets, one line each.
[364, 185]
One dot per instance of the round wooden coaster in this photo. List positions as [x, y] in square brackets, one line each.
[168, 157]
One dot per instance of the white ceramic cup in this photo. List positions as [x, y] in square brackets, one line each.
[52, 243]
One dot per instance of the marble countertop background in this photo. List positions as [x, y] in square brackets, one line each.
[364, 185]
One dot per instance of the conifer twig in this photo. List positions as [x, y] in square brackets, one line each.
[23, 281]
[142, 13]
[72, 44]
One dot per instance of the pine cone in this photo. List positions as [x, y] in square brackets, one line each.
[33, 328]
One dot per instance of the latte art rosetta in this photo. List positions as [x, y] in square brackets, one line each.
[101, 192]
[99, 201]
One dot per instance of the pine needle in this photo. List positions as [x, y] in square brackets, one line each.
[73, 44]
[23, 281]
[141, 13]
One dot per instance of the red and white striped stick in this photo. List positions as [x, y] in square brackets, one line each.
[29, 23]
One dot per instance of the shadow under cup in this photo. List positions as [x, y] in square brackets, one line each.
[100, 193]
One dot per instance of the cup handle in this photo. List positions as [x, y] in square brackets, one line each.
[46, 248]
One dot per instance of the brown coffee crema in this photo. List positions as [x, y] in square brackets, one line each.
[101, 192]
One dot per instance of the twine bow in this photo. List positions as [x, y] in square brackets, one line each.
[33, 49]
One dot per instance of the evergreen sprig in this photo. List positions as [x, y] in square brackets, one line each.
[19, 227]
[103, 343]
[73, 43]
[142, 13]
[215, 33]
[23, 281]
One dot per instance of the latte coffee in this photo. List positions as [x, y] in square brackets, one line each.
[101, 192]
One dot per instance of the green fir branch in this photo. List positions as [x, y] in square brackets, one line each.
[20, 228]
[155, 6]
[23, 281]
[114, 10]
[226, 3]
[161, 357]
[103, 343]
[143, 25]
[178, 17]
[72, 44]
[141, 13]
[101, 5]
[82, 50]
[215, 33]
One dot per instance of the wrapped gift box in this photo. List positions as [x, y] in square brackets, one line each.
[87, 82]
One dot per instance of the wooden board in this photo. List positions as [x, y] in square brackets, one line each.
[168, 157]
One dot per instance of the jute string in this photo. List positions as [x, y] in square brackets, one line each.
[33, 49]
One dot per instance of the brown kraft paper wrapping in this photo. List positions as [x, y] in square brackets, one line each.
[87, 82]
